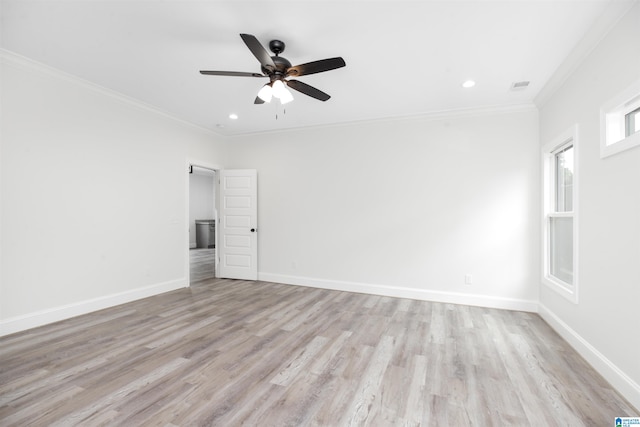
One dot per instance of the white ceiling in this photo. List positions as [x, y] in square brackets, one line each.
[403, 58]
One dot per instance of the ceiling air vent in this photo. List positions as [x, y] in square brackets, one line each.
[519, 85]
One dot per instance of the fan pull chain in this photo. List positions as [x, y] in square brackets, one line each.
[284, 110]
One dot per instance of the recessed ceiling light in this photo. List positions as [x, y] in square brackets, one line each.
[233, 116]
[468, 84]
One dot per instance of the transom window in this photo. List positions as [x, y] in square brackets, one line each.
[632, 122]
[620, 122]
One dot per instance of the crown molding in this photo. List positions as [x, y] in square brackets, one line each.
[491, 110]
[29, 64]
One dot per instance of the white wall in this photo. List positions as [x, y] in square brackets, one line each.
[403, 207]
[94, 194]
[201, 202]
[604, 324]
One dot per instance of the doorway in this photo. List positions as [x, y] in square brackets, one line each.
[202, 223]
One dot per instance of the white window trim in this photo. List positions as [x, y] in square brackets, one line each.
[612, 122]
[569, 291]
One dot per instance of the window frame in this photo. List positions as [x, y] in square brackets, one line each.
[549, 151]
[630, 121]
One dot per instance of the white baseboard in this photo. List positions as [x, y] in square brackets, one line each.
[614, 375]
[43, 317]
[404, 292]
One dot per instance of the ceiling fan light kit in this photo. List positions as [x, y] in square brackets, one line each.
[278, 69]
[266, 93]
[285, 95]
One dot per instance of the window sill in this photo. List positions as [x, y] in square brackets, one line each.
[566, 290]
[620, 146]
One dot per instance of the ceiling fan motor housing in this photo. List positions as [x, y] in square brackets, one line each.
[282, 64]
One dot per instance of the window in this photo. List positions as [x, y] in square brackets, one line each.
[632, 122]
[560, 215]
[620, 122]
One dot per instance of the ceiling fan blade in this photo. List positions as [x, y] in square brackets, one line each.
[307, 90]
[258, 51]
[258, 100]
[316, 67]
[231, 73]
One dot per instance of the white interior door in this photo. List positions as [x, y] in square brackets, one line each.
[238, 225]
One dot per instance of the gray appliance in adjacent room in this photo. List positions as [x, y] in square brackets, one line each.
[205, 233]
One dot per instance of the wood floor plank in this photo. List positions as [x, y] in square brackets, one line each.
[227, 352]
[368, 391]
[294, 366]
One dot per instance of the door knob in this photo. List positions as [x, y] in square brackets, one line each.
[253, 230]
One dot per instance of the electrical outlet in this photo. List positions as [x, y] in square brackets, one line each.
[468, 279]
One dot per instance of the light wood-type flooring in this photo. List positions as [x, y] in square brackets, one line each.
[202, 264]
[229, 353]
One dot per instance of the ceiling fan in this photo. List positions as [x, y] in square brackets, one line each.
[279, 70]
